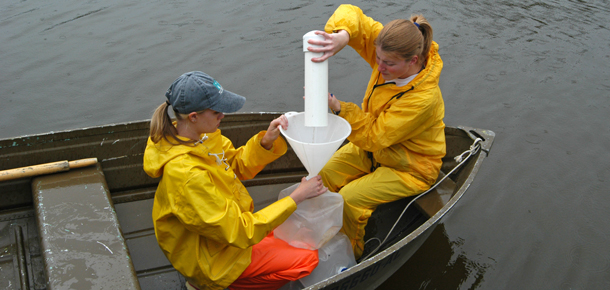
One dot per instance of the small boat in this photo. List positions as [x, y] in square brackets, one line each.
[91, 227]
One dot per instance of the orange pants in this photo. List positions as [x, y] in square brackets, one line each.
[275, 263]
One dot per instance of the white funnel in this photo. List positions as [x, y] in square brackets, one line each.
[316, 85]
[315, 145]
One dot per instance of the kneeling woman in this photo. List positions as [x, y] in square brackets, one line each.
[202, 213]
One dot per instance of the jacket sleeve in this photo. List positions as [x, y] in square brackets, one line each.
[202, 207]
[363, 30]
[248, 160]
[401, 121]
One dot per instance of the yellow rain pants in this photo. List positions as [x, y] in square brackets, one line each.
[363, 191]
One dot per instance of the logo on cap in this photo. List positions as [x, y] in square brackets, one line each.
[218, 86]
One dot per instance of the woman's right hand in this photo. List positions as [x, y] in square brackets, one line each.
[331, 44]
[308, 189]
[273, 132]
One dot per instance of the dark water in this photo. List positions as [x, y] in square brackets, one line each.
[536, 73]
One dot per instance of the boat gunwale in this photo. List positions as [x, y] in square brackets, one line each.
[94, 128]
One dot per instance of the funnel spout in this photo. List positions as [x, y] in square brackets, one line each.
[314, 146]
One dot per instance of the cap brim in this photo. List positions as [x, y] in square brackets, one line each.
[229, 102]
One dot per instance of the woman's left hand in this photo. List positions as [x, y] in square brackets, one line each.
[273, 132]
[334, 103]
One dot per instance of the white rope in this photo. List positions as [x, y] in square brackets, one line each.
[474, 148]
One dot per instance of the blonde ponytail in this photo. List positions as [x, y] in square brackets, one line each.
[161, 126]
[406, 38]
[426, 30]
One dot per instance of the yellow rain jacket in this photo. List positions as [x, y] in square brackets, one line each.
[202, 213]
[397, 141]
[402, 126]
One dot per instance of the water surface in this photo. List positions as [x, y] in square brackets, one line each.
[536, 73]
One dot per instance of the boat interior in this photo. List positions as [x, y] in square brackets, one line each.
[55, 229]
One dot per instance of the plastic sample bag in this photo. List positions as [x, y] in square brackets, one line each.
[315, 222]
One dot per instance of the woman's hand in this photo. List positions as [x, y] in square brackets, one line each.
[331, 44]
[273, 132]
[308, 189]
[334, 103]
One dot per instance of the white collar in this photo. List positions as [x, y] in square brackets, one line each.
[402, 82]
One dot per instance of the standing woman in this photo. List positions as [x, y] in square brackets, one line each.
[398, 137]
[202, 213]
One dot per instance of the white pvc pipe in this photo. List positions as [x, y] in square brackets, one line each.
[316, 85]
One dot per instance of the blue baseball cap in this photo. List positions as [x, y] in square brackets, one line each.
[196, 91]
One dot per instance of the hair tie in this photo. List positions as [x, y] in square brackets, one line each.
[416, 24]
[167, 102]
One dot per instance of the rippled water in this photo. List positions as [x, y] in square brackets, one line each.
[536, 73]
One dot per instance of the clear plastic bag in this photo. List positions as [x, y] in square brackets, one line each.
[315, 222]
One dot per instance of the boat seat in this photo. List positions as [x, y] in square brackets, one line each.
[81, 240]
[434, 200]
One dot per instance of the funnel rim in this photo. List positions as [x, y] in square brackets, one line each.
[324, 143]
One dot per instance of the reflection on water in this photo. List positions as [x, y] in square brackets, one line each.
[440, 264]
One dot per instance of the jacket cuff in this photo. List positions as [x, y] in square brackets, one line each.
[344, 109]
[279, 211]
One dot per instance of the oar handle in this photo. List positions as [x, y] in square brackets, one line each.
[82, 162]
[46, 168]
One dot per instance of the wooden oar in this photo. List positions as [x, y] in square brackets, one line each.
[46, 168]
